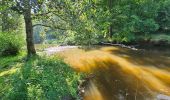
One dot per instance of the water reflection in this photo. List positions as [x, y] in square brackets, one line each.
[122, 74]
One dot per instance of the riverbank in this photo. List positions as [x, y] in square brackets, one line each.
[157, 41]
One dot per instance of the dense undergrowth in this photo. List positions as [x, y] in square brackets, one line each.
[40, 78]
[10, 43]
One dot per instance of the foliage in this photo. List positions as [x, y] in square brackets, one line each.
[123, 37]
[93, 21]
[40, 78]
[163, 17]
[10, 44]
[90, 20]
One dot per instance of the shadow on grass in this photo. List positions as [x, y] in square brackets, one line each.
[43, 78]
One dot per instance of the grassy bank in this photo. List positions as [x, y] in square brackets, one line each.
[41, 78]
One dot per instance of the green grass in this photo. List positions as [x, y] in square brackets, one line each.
[8, 60]
[40, 78]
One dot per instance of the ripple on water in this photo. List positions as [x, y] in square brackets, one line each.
[122, 74]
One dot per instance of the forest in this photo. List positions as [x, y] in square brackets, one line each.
[84, 49]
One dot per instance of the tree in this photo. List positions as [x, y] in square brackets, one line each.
[29, 28]
[25, 7]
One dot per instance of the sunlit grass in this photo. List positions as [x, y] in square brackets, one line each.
[8, 72]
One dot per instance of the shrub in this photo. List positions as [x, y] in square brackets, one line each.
[10, 44]
[124, 36]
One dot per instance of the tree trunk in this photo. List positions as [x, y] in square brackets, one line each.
[29, 31]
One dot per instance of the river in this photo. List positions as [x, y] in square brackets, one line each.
[122, 74]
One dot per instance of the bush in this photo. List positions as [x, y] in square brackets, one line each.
[10, 44]
[123, 37]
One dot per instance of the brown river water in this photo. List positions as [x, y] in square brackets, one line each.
[122, 74]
